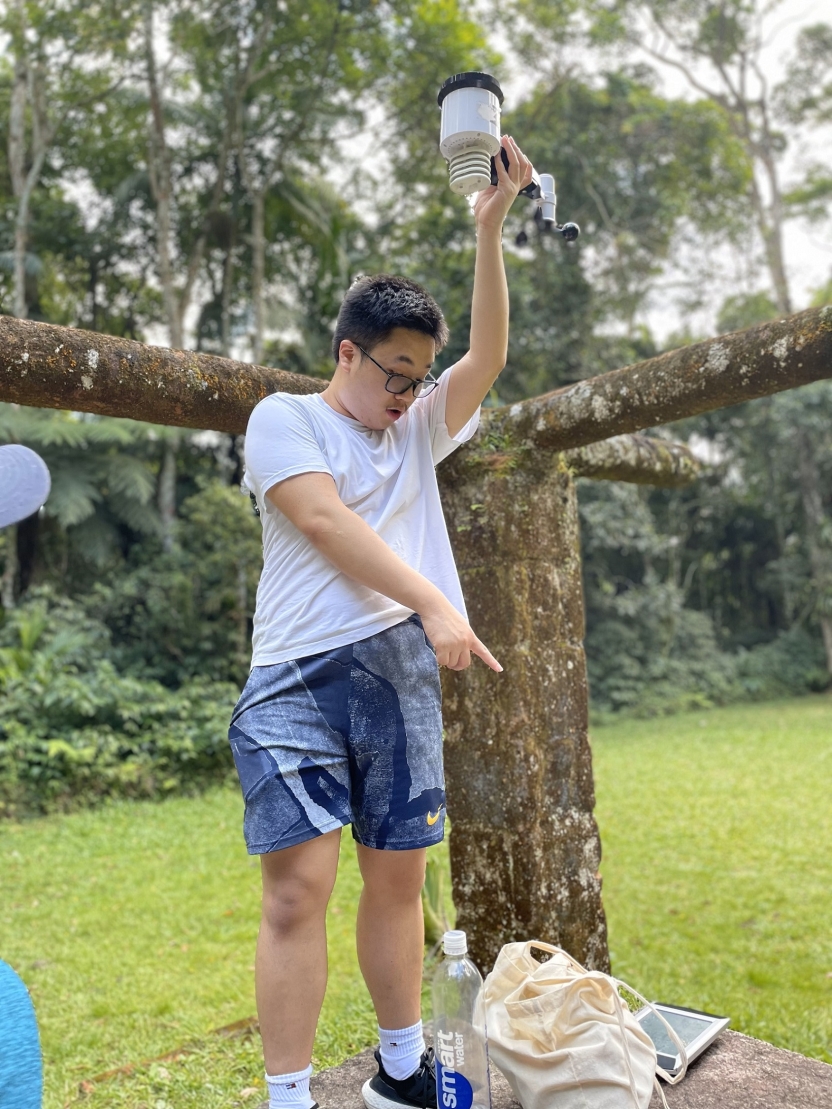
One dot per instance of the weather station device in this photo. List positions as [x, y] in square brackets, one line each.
[470, 141]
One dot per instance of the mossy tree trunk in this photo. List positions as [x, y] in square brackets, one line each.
[524, 844]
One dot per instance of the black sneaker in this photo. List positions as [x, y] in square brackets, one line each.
[383, 1092]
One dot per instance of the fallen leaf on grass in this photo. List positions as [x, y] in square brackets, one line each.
[249, 1091]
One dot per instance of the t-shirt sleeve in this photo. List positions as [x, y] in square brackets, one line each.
[442, 442]
[280, 443]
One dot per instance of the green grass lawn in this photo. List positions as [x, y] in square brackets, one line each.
[716, 830]
[134, 925]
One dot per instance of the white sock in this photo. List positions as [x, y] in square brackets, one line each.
[290, 1091]
[401, 1049]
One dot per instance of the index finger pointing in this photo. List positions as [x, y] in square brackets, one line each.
[480, 649]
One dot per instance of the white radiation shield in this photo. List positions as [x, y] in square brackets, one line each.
[469, 141]
[470, 129]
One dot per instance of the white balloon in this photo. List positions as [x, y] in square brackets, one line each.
[24, 483]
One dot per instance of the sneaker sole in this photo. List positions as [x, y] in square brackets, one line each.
[375, 1100]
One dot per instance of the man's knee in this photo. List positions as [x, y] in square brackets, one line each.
[297, 883]
[393, 875]
[293, 902]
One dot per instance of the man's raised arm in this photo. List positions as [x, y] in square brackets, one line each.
[476, 372]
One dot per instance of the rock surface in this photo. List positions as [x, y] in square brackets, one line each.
[737, 1072]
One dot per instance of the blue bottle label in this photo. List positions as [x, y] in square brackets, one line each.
[453, 1090]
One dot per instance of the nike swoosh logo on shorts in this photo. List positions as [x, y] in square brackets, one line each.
[433, 819]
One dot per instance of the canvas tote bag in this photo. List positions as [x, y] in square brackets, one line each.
[563, 1036]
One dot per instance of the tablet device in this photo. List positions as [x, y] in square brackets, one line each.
[695, 1029]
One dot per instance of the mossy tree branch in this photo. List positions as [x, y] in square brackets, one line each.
[62, 367]
[639, 459]
[59, 367]
[713, 374]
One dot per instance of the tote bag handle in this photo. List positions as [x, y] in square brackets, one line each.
[550, 949]
[671, 1080]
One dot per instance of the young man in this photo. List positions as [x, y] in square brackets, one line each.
[358, 606]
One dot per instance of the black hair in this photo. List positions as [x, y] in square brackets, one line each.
[374, 306]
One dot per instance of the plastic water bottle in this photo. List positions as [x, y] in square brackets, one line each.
[460, 1041]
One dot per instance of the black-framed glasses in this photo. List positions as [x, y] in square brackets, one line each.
[400, 383]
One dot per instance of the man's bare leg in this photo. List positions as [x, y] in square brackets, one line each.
[291, 962]
[390, 932]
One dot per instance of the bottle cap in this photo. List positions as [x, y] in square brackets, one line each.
[455, 943]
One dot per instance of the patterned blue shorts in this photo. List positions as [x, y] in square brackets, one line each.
[348, 736]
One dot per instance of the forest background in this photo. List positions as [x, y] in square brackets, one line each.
[213, 176]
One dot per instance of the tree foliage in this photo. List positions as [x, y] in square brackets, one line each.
[717, 49]
[185, 614]
[73, 730]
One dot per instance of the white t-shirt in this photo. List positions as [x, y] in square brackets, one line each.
[305, 604]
